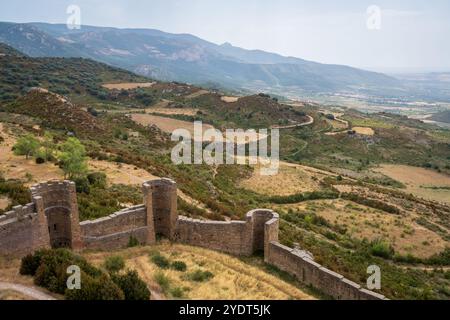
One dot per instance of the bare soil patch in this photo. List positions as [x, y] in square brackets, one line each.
[4, 202]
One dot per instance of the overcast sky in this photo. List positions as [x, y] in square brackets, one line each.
[414, 34]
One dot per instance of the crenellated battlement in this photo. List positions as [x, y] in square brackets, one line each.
[52, 220]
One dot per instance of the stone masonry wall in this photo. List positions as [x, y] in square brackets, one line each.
[21, 232]
[52, 219]
[230, 237]
[313, 274]
[115, 230]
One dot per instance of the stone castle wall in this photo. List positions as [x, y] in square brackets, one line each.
[52, 221]
[24, 229]
[115, 230]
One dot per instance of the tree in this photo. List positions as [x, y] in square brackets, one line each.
[49, 146]
[26, 146]
[73, 158]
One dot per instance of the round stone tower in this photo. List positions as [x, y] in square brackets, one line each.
[160, 199]
[59, 203]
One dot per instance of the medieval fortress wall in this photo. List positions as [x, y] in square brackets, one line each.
[52, 221]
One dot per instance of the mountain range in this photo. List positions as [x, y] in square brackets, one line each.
[186, 58]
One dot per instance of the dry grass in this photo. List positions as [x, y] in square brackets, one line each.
[405, 235]
[18, 167]
[233, 279]
[197, 94]
[421, 182]
[121, 173]
[291, 179]
[128, 86]
[9, 271]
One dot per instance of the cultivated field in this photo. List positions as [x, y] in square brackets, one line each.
[196, 94]
[421, 182]
[229, 99]
[232, 278]
[128, 86]
[364, 131]
[167, 125]
[173, 111]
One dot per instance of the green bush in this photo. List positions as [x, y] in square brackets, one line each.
[162, 280]
[200, 276]
[132, 286]
[381, 249]
[83, 185]
[177, 292]
[133, 242]
[161, 261]
[95, 289]
[30, 263]
[114, 264]
[97, 179]
[300, 197]
[179, 266]
[49, 268]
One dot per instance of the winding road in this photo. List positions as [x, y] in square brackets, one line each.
[30, 292]
[291, 126]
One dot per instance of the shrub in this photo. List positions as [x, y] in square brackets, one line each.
[95, 289]
[82, 184]
[30, 263]
[52, 270]
[114, 264]
[177, 292]
[133, 242]
[381, 249]
[132, 286]
[179, 266]
[161, 261]
[97, 179]
[40, 160]
[200, 276]
[162, 280]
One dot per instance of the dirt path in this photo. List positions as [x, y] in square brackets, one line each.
[308, 123]
[31, 292]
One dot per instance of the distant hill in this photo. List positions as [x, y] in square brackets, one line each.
[19, 73]
[186, 58]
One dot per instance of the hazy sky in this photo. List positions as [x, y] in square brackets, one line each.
[414, 34]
